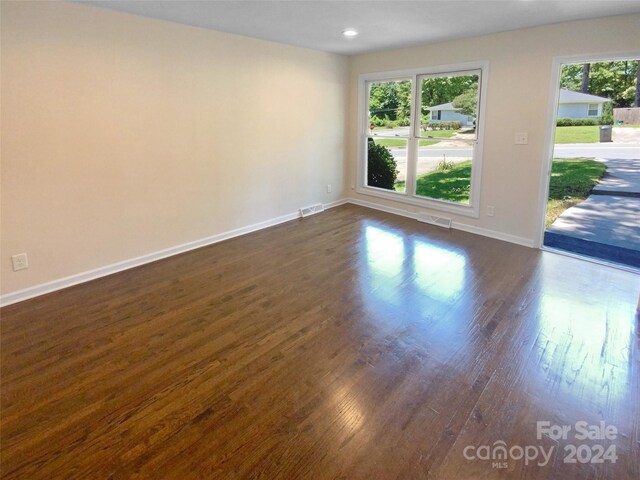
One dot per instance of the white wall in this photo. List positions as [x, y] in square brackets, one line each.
[517, 101]
[123, 135]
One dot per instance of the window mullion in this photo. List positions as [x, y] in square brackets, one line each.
[412, 149]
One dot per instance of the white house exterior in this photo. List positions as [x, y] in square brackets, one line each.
[580, 105]
[448, 113]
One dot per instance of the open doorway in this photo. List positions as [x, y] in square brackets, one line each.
[592, 192]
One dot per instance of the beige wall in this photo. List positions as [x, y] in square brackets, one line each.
[122, 135]
[517, 101]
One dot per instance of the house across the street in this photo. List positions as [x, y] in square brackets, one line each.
[580, 105]
[446, 112]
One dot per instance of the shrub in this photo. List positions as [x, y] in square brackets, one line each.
[444, 165]
[444, 125]
[607, 114]
[381, 167]
[576, 122]
[385, 122]
[377, 121]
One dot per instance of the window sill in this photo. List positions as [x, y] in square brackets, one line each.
[431, 204]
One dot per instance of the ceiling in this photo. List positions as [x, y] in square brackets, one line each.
[382, 24]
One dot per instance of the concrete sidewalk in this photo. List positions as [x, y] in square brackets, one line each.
[608, 219]
[621, 178]
[607, 224]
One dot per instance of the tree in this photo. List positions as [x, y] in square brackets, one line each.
[467, 102]
[403, 111]
[383, 99]
[585, 78]
[613, 80]
[438, 90]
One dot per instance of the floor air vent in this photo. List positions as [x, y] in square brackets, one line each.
[433, 220]
[313, 209]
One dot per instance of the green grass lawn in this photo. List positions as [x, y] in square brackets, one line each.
[402, 143]
[439, 133]
[589, 134]
[451, 185]
[571, 182]
[396, 142]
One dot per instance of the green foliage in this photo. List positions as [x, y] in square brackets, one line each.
[384, 122]
[385, 99]
[613, 80]
[381, 167]
[444, 125]
[576, 122]
[467, 102]
[403, 110]
[444, 166]
[390, 101]
[438, 90]
[607, 114]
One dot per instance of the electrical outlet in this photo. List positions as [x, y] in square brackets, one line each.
[522, 138]
[20, 262]
[329, 188]
[491, 210]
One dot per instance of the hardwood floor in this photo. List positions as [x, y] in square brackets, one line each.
[351, 344]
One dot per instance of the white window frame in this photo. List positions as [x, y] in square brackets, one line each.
[409, 197]
[589, 109]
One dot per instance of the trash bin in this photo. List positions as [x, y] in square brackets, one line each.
[605, 133]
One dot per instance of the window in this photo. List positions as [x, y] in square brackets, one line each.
[417, 154]
[593, 110]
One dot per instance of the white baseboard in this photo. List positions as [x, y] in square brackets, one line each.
[35, 291]
[527, 242]
[48, 287]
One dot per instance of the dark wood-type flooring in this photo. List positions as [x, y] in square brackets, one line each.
[348, 345]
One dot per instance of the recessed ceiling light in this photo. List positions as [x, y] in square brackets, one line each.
[349, 33]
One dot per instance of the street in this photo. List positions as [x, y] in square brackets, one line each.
[572, 150]
[429, 157]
